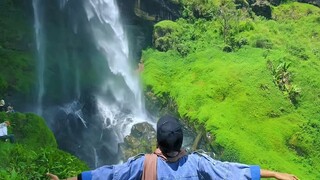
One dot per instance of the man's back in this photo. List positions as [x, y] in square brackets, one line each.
[193, 166]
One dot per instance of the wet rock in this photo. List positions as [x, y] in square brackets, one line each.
[143, 129]
[131, 142]
[142, 139]
[151, 10]
[90, 105]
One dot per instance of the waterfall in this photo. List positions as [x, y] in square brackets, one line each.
[87, 87]
[40, 52]
[111, 41]
[63, 3]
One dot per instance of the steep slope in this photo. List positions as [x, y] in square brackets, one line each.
[255, 87]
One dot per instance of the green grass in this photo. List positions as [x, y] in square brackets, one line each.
[35, 151]
[233, 94]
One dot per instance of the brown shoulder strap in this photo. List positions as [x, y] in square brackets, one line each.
[150, 167]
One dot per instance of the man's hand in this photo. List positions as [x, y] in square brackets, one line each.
[55, 177]
[273, 174]
[284, 176]
[52, 176]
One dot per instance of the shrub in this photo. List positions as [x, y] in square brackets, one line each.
[20, 162]
[263, 43]
[227, 48]
[293, 92]
[165, 35]
[194, 9]
[246, 26]
[299, 52]
[282, 78]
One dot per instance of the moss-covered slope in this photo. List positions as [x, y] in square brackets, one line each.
[35, 151]
[239, 85]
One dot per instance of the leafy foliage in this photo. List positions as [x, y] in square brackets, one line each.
[282, 78]
[194, 9]
[165, 35]
[23, 163]
[15, 52]
[35, 152]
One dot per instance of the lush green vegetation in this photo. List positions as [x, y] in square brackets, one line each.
[35, 152]
[253, 83]
[16, 58]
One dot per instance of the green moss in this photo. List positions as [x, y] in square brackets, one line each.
[16, 36]
[234, 95]
[35, 151]
[30, 130]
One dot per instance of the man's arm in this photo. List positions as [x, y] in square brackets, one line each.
[281, 176]
[132, 169]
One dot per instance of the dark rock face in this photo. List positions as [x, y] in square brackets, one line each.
[262, 8]
[314, 2]
[150, 10]
[81, 132]
[278, 2]
[272, 2]
[139, 17]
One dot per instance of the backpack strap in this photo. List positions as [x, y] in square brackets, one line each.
[150, 163]
[150, 167]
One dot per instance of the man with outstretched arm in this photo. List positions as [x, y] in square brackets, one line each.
[169, 161]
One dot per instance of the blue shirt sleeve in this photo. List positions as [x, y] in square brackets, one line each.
[213, 169]
[130, 170]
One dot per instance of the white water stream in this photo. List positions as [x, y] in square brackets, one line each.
[39, 35]
[118, 97]
[111, 41]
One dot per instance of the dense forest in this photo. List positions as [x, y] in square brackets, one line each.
[248, 77]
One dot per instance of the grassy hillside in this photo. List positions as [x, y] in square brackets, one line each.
[255, 87]
[35, 151]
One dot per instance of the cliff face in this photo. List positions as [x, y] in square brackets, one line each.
[263, 7]
[156, 10]
[139, 17]
[150, 10]
[314, 2]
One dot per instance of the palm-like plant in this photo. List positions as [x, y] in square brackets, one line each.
[281, 76]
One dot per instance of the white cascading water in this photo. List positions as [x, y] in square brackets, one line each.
[63, 3]
[39, 35]
[111, 40]
[118, 98]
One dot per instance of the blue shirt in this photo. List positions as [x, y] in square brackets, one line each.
[192, 167]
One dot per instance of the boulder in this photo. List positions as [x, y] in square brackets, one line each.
[262, 8]
[142, 139]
